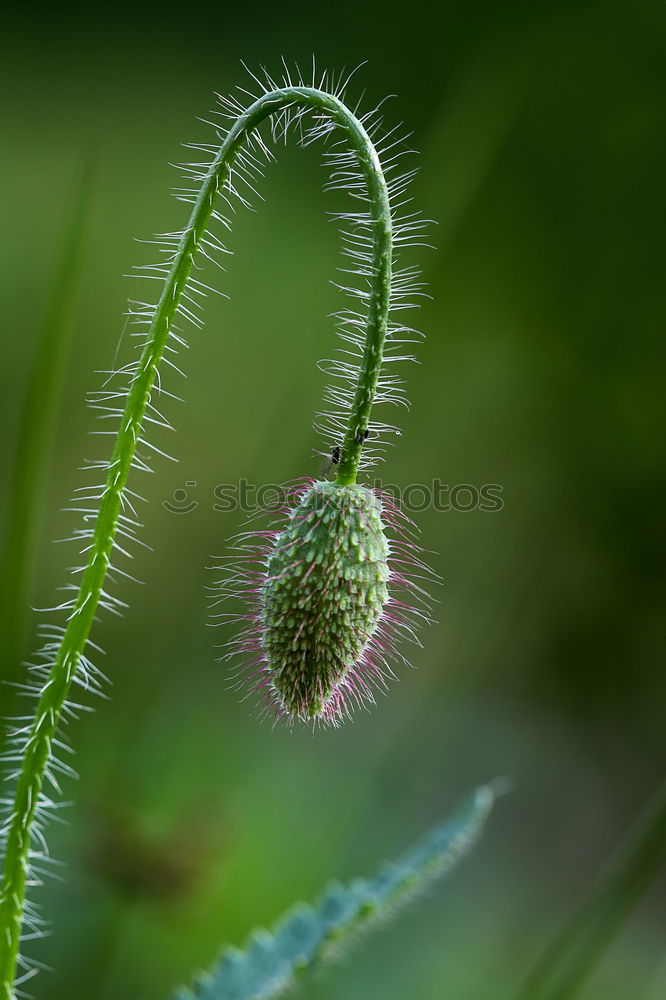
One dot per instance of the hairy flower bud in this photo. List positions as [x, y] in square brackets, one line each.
[325, 591]
[330, 592]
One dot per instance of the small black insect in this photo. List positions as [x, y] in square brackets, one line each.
[361, 436]
[332, 461]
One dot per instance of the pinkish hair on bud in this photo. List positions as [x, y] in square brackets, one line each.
[325, 595]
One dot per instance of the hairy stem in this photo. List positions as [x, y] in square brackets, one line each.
[378, 310]
[52, 700]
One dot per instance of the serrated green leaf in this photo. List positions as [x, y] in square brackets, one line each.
[309, 935]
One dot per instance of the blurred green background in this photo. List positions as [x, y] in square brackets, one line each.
[542, 157]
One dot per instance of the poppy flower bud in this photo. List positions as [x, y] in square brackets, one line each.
[325, 592]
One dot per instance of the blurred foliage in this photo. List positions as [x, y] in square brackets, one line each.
[582, 941]
[308, 936]
[542, 156]
[35, 429]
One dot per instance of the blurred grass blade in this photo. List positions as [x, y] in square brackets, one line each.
[466, 138]
[308, 936]
[572, 956]
[36, 423]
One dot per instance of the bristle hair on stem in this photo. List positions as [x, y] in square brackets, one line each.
[223, 174]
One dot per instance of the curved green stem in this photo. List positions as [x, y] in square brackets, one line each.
[378, 311]
[37, 752]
